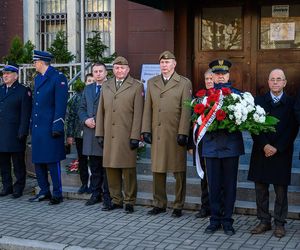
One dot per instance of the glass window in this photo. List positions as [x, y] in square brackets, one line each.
[222, 32]
[280, 27]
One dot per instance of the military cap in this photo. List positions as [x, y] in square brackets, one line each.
[166, 55]
[220, 66]
[11, 67]
[120, 60]
[42, 56]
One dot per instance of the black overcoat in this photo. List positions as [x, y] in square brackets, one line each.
[15, 112]
[277, 168]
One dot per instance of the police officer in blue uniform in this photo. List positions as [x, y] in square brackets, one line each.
[47, 125]
[221, 150]
[15, 111]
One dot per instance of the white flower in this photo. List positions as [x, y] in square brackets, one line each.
[235, 96]
[260, 110]
[256, 117]
[248, 98]
[250, 108]
[262, 119]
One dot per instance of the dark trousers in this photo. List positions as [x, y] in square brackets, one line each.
[222, 174]
[41, 170]
[18, 160]
[99, 183]
[204, 188]
[83, 162]
[262, 203]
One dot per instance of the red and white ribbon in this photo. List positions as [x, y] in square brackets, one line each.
[201, 126]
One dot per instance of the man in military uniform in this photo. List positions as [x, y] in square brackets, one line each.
[166, 124]
[87, 115]
[47, 125]
[15, 111]
[118, 127]
[221, 150]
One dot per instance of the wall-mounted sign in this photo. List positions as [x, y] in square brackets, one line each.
[148, 71]
[282, 31]
[280, 10]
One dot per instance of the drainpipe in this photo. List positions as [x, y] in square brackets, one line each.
[82, 40]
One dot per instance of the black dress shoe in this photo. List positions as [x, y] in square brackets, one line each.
[156, 210]
[55, 200]
[212, 228]
[203, 213]
[16, 195]
[92, 201]
[6, 192]
[83, 189]
[112, 206]
[176, 213]
[228, 230]
[129, 209]
[40, 197]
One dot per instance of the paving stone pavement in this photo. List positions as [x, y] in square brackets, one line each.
[72, 225]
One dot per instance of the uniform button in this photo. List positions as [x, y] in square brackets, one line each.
[112, 137]
[38, 92]
[36, 104]
[158, 138]
[35, 126]
[35, 114]
[159, 124]
[115, 97]
[159, 110]
[114, 111]
[161, 95]
[113, 123]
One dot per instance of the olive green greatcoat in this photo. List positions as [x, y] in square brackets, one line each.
[119, 119]
[165, 116]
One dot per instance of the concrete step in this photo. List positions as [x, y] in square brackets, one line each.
[144, 168]
[191, 202]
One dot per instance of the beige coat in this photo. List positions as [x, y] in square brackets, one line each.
[119, 119]
[166, 116]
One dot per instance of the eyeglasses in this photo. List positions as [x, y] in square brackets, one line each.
[276, 79]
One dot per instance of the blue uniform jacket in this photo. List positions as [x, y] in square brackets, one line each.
[221, 143]
[15, 111]
[48, 114]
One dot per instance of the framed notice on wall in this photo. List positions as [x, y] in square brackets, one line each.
[148, 71]
[282, 31]
[280, 10]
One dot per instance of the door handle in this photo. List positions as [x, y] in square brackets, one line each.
[242, 57]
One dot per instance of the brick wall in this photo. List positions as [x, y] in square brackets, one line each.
[11, 23]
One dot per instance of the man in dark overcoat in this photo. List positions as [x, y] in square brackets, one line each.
[87, 114]
[221, 151]
[15, 111]
[47, 126]
[271, 158]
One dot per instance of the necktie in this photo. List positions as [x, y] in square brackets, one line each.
[98, 88]
[6, 90]
[276, 99]
[118, 85]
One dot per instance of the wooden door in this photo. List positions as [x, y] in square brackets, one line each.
[219, 36]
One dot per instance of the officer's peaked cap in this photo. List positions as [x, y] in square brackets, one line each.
[120, 60]
[11, 67]
[166, 55]
[42, 56]
[220, 66]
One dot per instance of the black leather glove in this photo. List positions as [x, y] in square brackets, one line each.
[147, 137]
[101, 141]
[182, 140]
[56, 134]
[134, 144]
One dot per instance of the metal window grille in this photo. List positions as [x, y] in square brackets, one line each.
[98, 18]
[52, 18]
